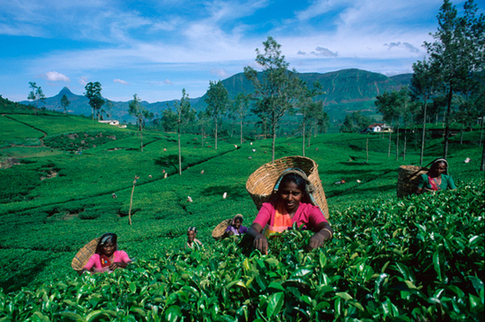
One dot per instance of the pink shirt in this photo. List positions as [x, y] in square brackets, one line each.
[307, 214]
[95, 260]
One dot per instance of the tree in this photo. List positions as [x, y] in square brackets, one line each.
[203, 120]
[217, 99]
[309, 109]
[65, 103]
[36, 94]
[184, 115]
[276, 87]
[141, 114]
[108, 106]
[240, 109]
[354, 123]
[423, 87]
[93, 93]
[457, 52]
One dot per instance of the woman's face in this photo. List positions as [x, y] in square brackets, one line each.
[191, 236]
[291, 196]
[237, 223]
[440, 168]
[108, 249]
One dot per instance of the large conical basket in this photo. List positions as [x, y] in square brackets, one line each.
[82, 257]
[261, 182]
[408, 179]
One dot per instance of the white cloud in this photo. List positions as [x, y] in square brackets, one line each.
[219, 72]
[117, 80]
[55, 77]
[83, 81]
[167, 81]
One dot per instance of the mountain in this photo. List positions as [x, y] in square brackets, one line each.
[345, 90]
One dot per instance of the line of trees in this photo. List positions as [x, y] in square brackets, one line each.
[449, 82]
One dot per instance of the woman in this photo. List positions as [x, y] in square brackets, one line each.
[236, 228]
[290, 202]
[436, 179]
[107, 257]
[191, 240]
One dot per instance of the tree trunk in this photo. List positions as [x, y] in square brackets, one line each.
[404, 149]
[180, 154]
[423, 137]
[447, 121]
[482, 167]
[397, 144]
[303, 145]
[367, 150]
[461, 135]
[481, 132]
[273, 130]
[241, 132]
[216, 133]
[389, 149]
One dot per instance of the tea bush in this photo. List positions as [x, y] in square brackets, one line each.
[419, 259]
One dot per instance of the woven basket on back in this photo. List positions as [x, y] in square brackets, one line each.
[221, 228]
[408, 179]
[82, 257]
[261, 182]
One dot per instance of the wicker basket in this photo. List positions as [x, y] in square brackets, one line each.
[261, 182]
[84, 254]
[408, 179]
[221, 228]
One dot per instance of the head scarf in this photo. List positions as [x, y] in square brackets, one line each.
[309, 186]
[105, 239]
[435, 164]
[235, 217]
[192, 229]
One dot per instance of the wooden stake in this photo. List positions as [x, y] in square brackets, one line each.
[131, 199]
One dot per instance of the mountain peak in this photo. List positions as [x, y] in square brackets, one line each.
[65, 91]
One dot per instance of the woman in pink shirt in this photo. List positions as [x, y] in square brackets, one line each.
[107, 257]
[290, 202]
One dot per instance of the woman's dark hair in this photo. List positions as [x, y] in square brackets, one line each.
[105, 239]
[296, 179]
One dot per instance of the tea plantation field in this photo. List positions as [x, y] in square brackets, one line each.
[415, 259]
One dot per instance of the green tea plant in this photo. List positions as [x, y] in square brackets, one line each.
[419, 259]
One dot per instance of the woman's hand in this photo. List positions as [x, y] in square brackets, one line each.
[317, 240]
[260, 242]
[116, 265]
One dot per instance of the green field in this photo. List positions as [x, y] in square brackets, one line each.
[392, 259]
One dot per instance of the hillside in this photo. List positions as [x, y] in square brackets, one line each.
[345, 90]
[390, 258]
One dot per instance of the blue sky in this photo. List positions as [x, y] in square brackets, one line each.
[157, 48]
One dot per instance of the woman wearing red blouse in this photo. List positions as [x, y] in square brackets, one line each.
[290, 203]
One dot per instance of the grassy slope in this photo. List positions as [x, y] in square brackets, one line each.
[45, 227]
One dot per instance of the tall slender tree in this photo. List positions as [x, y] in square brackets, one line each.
[275, 89]
[96, 101]
[217, 100]
[308, 109]
[65, 103]
[457, 52]
[240, 109]
[183, 115]
[141, 114]
[423, 87]
[36, 95]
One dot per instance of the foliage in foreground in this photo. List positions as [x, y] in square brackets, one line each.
[418, 259]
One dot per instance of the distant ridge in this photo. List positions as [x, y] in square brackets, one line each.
[345, 91]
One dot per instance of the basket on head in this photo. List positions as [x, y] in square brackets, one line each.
[408, 179]
[221, 228]
[84, 254]
[261, 182]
